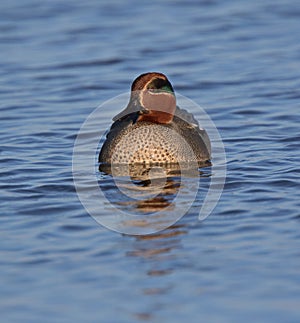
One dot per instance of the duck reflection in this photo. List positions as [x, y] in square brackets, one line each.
[145, 188]
[157, 249]
[158, 246]
[150, 197]
[158, 252]
[141, 188]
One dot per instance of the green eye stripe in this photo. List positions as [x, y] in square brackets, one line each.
[166, 88]
[160, 85]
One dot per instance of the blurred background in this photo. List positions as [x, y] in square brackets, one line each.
[239, 60]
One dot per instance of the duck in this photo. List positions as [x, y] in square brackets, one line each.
[152, 129]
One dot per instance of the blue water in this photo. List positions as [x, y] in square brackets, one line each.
[59, 61]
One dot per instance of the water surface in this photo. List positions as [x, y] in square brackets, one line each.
[238, 60]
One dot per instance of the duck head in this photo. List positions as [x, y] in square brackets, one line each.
[152, 99]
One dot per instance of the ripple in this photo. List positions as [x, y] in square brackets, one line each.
[91, 63]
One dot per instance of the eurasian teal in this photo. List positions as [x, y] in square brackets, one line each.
[153, 130]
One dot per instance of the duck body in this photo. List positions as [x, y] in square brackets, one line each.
[153, 130]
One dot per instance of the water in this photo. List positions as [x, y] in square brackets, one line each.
[59, 61]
